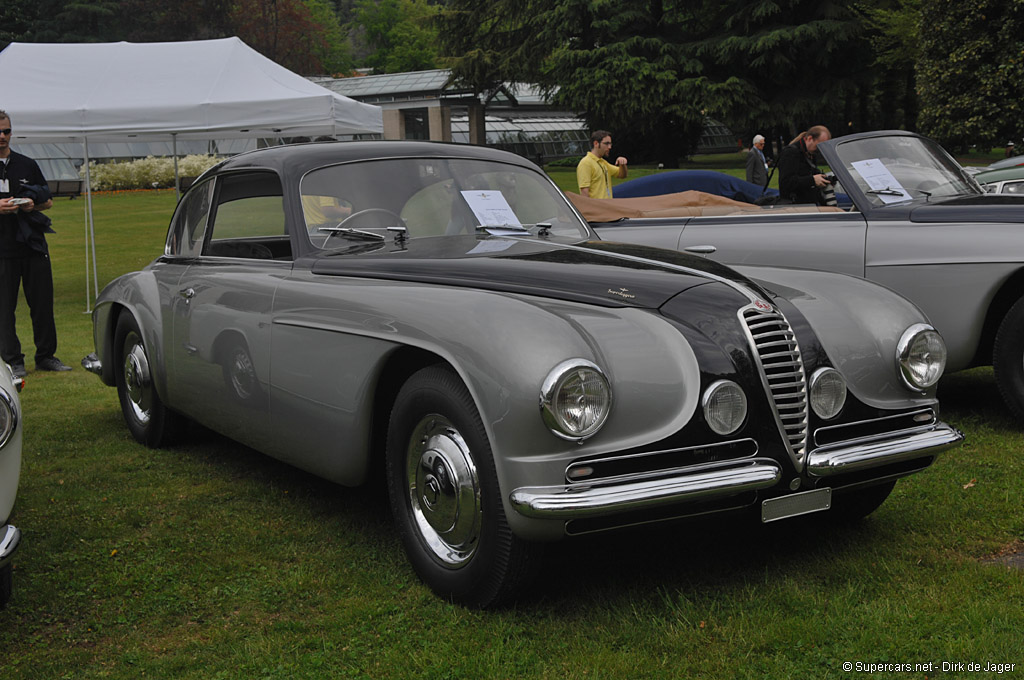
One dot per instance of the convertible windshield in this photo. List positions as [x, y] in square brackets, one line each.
[424, 197]
[896, 169]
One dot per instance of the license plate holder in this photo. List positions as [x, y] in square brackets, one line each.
[796, 504]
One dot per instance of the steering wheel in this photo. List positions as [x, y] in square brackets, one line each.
[370, 210]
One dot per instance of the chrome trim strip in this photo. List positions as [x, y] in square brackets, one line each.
[577, 501]
[870, 421]
[645, 454]
[836, 459]
[93, 364]
[9, 544]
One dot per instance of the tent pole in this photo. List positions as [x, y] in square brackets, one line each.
[174, 152]
[90, 234]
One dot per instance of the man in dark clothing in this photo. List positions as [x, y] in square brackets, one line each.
[799, 177]
[24, 258]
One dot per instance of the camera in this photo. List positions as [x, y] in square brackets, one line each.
[831, 179]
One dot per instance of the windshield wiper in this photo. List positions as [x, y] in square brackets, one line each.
[504, 228]
[354, 233]
[886, 192]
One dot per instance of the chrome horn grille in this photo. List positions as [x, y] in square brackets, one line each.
[782, 372]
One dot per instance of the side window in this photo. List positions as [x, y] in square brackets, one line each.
[1013, 188]
[248, 219]
[190, 219]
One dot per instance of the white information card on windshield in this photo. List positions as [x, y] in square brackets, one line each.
[880, 180]
[492, 210]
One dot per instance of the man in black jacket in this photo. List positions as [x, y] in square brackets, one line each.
[799, 177]
[24, 257]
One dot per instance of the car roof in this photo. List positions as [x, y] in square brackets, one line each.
[301, 157]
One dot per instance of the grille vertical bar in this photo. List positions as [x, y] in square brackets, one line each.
[782, 371]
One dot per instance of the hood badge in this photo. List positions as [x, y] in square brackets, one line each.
[762, 305]
[622, 293]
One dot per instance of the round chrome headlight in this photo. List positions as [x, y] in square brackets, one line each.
[575, 399]
[828, 392]
[922, 356]
[725, 406]
[8, 417]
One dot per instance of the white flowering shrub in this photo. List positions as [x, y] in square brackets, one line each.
[147, 173]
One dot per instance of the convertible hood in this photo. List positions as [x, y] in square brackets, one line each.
[595, 272]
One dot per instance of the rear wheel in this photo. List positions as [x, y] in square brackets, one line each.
[444, 494]
[150, 422]
[1008, 359]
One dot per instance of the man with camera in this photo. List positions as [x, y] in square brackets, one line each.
[799, 178]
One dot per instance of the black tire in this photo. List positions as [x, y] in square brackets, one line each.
[444, 495]
[855, 505]
[1008, 359]
[6, 585]
[150, 422]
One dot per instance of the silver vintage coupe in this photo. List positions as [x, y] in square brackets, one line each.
[919, 224]
[444, 310]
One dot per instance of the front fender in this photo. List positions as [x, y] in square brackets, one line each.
[859, 323]
[138, 294]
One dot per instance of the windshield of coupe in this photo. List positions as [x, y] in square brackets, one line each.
[897, 169]
[425, 197]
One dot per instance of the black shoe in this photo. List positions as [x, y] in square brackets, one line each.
[52, 364]
[18, 369]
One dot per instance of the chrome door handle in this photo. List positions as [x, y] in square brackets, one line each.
[700, 250]
[187, 293]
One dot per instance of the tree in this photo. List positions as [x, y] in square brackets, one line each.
[784, 65]
[895, 35]
[400, 34]
[303, 36]
[622, 64]
[971, 73]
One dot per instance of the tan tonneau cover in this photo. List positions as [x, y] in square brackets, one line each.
[682, 204]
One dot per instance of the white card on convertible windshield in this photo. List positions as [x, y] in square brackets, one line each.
[491, 209]
[879, 178]
[5, 186]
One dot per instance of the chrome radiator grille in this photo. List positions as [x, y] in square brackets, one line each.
[782, 371]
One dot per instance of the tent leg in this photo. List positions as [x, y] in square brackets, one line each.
[90, 236]
[174, 152]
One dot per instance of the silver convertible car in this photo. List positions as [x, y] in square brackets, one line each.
[10, 473]
[442, 314]
[919, 224]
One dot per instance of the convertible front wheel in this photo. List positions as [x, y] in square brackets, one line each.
[444, 494]
[1008, 359]
[150, 422]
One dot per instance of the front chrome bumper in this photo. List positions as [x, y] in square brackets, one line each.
[93, 364]
[723, 479]
[10, 539]
[636, 492]
[852, 456]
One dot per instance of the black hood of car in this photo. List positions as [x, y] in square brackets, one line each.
[595, 272]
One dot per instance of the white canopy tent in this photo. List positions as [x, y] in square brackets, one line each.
[204, 89]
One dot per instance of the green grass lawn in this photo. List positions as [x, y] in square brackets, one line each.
[208, 560]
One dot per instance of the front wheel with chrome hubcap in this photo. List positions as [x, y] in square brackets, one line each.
[149, 421]
[445, 497]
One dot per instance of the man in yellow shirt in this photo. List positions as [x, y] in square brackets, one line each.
[593, 174]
